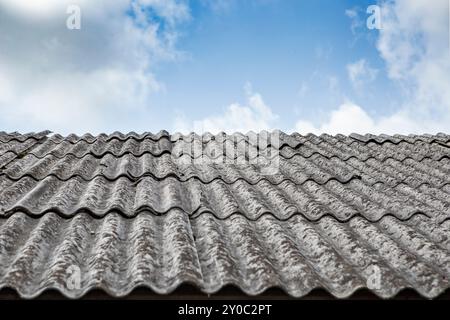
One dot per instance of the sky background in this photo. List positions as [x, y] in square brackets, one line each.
[225, 65]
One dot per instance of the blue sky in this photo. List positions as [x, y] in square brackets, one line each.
[146, 65]
[277, 46]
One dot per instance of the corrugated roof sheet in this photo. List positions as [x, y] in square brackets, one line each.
[127, 210]
[310, 199]
[161, 252]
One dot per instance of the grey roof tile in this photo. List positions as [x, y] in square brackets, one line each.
[89, 138]
[297, 169]
[162, 252]
[7, 158]
[381, 139]
[15, 136]
[312, 200]
[134, 210]
[99, 148]
[17, 147]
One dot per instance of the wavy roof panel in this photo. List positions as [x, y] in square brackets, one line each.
[162, 252]
[160, 210]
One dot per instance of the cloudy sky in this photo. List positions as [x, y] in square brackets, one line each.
[232, 65]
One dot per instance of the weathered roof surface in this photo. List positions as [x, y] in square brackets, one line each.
[342, 213]
[161, 252]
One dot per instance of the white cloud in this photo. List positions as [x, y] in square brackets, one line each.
[350, 118]
[51, 77]
[351, 13]
[356, 21]
[81, 80]
[171, 10]
[360, 73]
[255, 115]
[32, 8]
[414, 44]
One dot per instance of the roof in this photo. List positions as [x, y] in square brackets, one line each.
[124, 211]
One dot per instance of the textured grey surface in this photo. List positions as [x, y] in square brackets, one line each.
[15, 136]
[73, 138]
[297, 169]
[134, 210]
[310, 199]
[17, 147]
[162, 252]
[99, 148]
